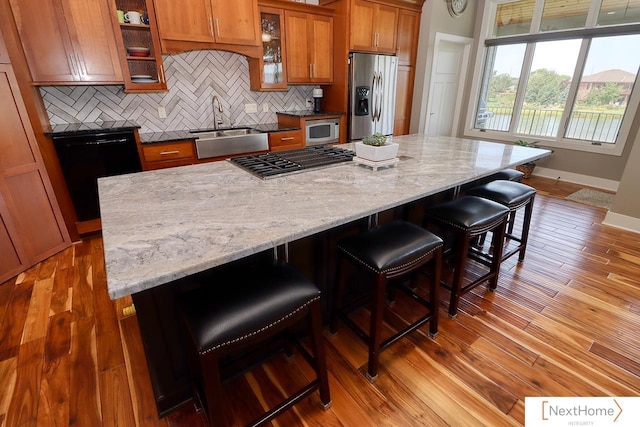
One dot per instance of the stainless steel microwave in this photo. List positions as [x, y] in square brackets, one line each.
[322, 131]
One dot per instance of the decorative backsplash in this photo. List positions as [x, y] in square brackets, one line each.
[193, 78]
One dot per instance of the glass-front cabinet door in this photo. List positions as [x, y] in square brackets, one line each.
[268, 71]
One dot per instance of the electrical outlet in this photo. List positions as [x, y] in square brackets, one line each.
[162, 113]
[265, 107]
[309, 103]
[250, 108]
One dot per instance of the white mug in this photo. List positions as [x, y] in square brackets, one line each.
[132, 17]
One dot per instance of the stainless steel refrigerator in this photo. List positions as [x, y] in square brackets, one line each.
[372, 94]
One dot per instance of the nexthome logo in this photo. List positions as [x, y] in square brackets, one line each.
[582, 411]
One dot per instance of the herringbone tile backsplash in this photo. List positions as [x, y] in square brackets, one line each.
[193, 78]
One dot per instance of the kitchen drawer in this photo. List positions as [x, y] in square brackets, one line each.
[169, 151]
[286, 140]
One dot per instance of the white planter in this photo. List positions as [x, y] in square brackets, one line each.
[377, 154]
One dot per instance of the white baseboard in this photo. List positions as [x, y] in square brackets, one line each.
[576, 178]
[624, 222]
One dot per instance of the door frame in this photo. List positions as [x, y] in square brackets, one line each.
[439, 39]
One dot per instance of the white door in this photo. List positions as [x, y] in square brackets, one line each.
[450, 61]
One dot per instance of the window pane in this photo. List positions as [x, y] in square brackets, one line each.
[547, 87]
[564, 15]
[605, 87]
[619, 12]
[500, 82]
[513, 18]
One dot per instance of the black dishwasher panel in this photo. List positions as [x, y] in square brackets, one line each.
[86, 157]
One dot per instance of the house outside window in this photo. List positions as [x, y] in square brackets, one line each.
[560, 72]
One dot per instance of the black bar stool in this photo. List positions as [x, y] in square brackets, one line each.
[238, 314]
[465, 219]
[508, 175]
[514, 196]
[391, 251]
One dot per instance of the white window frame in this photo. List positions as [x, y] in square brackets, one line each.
[485, 32]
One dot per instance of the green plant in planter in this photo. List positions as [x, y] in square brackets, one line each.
[377, 139]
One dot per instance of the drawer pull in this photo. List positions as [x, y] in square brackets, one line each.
[167, 153]
[289, 138]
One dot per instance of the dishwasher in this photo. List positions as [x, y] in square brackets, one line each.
[85, 157]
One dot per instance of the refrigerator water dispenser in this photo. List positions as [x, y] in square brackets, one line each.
[362, 101]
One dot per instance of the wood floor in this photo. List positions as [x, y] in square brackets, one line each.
[566, 322]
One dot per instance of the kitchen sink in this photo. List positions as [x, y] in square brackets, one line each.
[225, 142]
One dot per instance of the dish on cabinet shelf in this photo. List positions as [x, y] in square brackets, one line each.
[138, 51]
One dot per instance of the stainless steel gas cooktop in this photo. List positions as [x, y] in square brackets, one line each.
[271, 165]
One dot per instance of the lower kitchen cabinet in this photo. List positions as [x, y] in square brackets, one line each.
[286, 140]
[31, 224]
[168, 155]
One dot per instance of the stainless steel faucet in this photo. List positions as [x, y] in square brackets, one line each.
[220, 110]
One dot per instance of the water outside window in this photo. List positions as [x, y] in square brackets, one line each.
[548, 86]
[605, 87]
[500, 83]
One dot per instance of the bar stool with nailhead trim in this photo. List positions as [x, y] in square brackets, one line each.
[514, 196]
[465, 219]
[239, 314]
[391, 251]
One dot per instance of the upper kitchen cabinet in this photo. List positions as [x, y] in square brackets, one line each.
[139, 47]
[373, 27]
[309, 48]
[209, 24]
[68, 41]
[269, 71]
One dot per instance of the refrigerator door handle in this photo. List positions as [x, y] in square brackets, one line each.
[377, 102]
[373, 96]
[381, 97]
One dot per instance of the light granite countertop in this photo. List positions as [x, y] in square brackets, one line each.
[159, 226]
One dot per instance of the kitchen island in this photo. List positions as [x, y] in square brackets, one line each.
[166, 225]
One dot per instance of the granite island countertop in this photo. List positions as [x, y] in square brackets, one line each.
[159, 226]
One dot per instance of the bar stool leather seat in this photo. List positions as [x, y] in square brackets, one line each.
[240, 313]
[514, 196]
[392, 250]
[508, 175]
[466, 218]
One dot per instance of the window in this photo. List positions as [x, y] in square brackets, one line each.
[562, 72]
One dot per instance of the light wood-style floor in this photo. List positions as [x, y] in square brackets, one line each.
[566, 322]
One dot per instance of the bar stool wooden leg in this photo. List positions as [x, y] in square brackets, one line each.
[526, 224]
[315, 323]
[497, 243]
[463, 240]
[434, 293]
[375, 334]
[213, 389]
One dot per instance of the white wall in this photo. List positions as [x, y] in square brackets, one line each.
[435, 19]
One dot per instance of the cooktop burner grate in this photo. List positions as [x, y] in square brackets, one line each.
[272, 164]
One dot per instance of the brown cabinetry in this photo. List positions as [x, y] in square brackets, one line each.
[139, 47]
[309, 48]
[68, 41]
[207, 22]
[268, 72]
[4, 55]
[408, 33]
[373, 27]
[286, 140]
[168, 155]
[31, 225]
